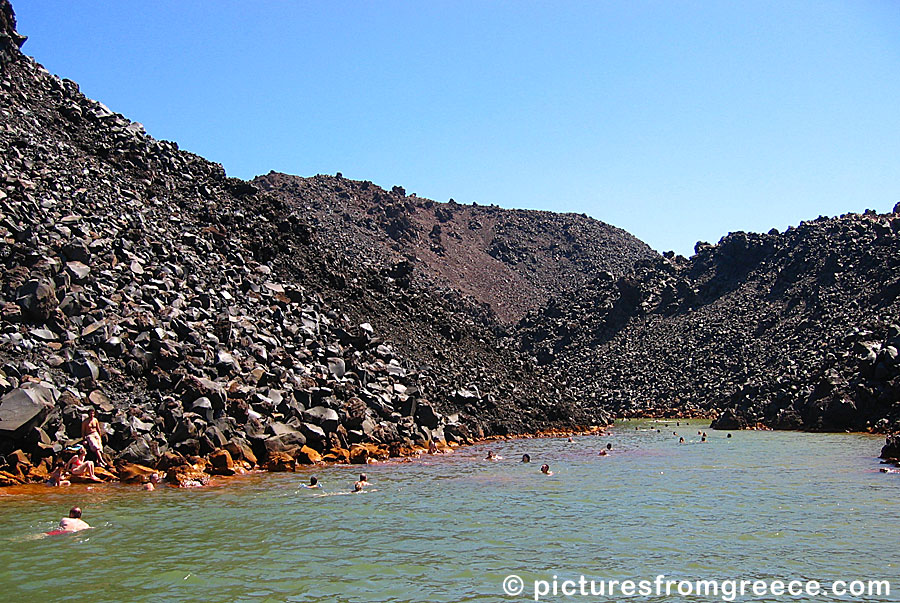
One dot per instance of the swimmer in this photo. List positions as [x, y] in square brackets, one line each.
[703, 439]
[361, 483]
[73, 523]
[57, 477]
[681, 440]
[313, 483]
[728, 436]
[602, 453]
[149, 487]
[526, 458]
[545, 469]
[492, 457]
[570, 440]
[608, 446]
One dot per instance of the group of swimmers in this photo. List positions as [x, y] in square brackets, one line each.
[545, 468]
[358, 486]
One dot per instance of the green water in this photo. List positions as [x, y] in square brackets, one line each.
[760, 505]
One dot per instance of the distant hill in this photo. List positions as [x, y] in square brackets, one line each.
[511, 260]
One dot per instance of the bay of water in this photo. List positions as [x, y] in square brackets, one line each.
[759, 505]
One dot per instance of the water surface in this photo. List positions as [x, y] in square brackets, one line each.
[760, 505]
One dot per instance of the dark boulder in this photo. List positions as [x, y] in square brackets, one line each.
[37, 298]
[730, 420]
[23, 408]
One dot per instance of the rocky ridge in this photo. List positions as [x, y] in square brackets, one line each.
[511, 260]
[791, 330]
[212, 326]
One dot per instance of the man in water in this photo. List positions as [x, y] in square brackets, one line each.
[93, 438]
[313, 483]
[73, 523]
[545, 469]
[362, 483]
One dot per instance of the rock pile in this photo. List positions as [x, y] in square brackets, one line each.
[211, 325]
[792, 330]
[511, 260]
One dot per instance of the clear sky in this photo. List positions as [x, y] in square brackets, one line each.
[678, 121]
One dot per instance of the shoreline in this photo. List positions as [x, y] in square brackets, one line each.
[137, 476]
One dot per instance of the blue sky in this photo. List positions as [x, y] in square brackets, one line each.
[678, 121]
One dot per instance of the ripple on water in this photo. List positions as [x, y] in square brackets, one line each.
[450, 528]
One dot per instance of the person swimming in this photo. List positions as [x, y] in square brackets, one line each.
[361, 483]
[545, 469]
[313, 483]
[57, 478]
[681, 440]
[492, 457]
[73, 523]
[526, 458]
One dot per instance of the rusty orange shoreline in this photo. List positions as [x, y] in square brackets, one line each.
[180, 471]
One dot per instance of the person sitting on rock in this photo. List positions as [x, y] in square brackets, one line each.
[73, 523]
[77, 465]
[57, 478]
[432, 447]
[313, 483]
[92, 435]
[545, 469]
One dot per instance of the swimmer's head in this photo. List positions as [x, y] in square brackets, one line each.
[608, 446]
[363, 478]
[545, 468]
[75, 512]
[526, 458]
[313, 480]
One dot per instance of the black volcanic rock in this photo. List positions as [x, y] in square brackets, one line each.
[792, 330]
[202, 310]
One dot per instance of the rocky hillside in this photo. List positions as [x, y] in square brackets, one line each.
[511, 260]
[792, 330]
[202, 316]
